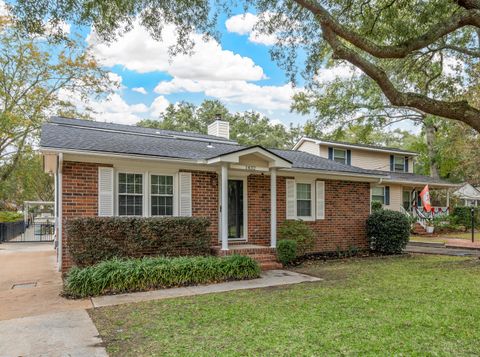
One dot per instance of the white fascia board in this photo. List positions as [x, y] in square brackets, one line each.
[119, 155]
[416, 183]
[337, 174]
[234, 157]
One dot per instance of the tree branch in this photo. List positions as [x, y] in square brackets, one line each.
[459, 110]
[470, 17]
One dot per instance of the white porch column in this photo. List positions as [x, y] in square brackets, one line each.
[224, 206]
[448, 199]
[273, 208]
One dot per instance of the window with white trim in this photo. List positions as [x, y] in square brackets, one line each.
[378, 194]
[304, 199]
[130, 194]
[161, 195]
[340, 155]
[399, 164]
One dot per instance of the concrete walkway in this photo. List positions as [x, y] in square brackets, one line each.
[429, 248]
[34, 319]
[269, 278]
[69, 333]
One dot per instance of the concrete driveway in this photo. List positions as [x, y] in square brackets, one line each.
[34, 319]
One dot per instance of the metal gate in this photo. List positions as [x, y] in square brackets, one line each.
[36, 232]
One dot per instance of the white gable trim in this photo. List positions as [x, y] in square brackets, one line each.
[234, 157]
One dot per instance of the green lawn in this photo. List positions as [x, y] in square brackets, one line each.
[410, 305]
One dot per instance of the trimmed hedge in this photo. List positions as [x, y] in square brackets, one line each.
[300, 232]
[9, 216]
[388, 231]
[128, 275]
[94, 239]
[286, 251]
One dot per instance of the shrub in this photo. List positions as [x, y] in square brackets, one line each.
[376, 206]
[91, 240]
[461, 216]
[388, 231]
[286, 251]
[127, 275]
[300, 232]
[9, 216]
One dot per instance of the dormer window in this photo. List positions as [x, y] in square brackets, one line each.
[340, 155]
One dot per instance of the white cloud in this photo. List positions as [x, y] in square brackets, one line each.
[239, 92]
[138, 51]
[244, 24]
[139, 90]
[3, 9]
[159, 105]
[343, 71]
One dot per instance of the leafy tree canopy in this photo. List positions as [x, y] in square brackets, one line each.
[247, 128]
[402, 46]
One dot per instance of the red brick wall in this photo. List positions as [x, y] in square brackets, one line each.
[347, 206]
[258, 192]
[205, 199]
[79, 197]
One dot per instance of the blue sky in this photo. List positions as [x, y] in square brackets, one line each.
[238, 71]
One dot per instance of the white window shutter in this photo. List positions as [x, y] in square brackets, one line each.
[320, 198]
[291, 199]
[105, 191]
[185, 193]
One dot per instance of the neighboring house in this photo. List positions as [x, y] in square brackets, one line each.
[246, 192]
[468, 195]
[398, 191]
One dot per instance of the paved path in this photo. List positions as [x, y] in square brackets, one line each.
[69, 333]
[442, 251]
[34, 319]
[268, 278]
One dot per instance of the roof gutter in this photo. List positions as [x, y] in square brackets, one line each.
[335, 173]
[45, 149]
[416, 183]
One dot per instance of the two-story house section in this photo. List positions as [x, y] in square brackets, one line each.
[400, 190]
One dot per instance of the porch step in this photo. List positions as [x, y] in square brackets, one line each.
[419, 230]
[266, 257]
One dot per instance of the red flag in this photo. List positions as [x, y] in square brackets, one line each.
[425, 196]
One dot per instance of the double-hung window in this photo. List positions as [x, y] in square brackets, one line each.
[304, 199]
[161, 195]
[340, 155]
[399, 164]
[130, 194]
[378, 194]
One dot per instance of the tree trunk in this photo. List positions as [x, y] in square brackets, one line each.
[430, 131]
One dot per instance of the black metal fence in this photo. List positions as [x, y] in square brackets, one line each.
[11, 230]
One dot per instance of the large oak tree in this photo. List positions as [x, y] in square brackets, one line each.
[389, 40]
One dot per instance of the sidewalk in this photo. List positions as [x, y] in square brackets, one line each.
[441, 249]
[269, 278]
[462, 243]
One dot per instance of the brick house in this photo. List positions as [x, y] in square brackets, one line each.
[246, 192]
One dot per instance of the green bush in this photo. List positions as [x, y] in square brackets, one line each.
[127, 275]
[300, 232]
[388, 231]
[461, 216]
[94, 239]
[376, 206]
[286, 251]
[9, 216]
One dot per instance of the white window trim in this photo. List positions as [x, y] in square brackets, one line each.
[245, 209]
[371, 195]
[333, 155]
[175, 192]
[117, 193]
[313, 197]
[394, 163]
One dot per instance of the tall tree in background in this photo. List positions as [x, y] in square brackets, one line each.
[247, 128]
[36, 75]
[385, 39]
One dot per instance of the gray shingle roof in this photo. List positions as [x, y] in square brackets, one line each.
[124, 139]
[408, 177]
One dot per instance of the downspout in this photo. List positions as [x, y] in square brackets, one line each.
[60, 210]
